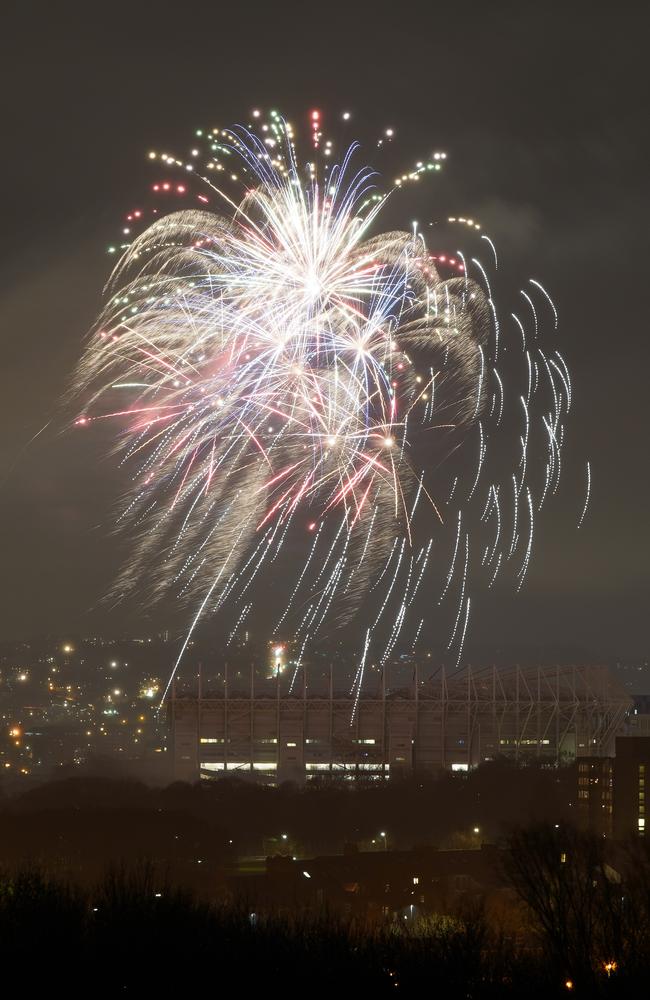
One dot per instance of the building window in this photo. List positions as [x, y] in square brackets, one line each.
[416, 880]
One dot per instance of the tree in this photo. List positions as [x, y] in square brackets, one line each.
[575, 897]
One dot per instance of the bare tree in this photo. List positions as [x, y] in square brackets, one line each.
[575, 898]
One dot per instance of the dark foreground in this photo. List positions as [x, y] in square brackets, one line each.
[130, 934]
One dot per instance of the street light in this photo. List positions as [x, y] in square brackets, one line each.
[382, 834]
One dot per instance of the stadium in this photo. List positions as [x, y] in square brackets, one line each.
[447, 722]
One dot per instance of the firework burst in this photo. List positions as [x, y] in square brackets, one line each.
[284, 374]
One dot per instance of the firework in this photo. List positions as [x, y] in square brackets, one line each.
[286, 377]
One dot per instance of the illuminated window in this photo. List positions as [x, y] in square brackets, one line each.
[416, 880]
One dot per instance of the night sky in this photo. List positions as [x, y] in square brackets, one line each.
[543, 112]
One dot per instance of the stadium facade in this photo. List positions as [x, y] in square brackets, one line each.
[448, 722]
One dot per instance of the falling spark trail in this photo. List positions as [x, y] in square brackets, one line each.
[492, 248]
[548, 298]
[464, 633]
[587, 497]
[453, 562]
[524, 567]
[462, 593]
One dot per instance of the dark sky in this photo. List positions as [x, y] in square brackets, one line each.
[543, 111]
